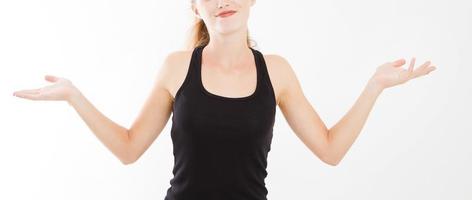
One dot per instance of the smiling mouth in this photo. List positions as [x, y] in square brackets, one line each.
[226, 14]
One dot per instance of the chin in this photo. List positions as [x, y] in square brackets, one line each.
[229, 28]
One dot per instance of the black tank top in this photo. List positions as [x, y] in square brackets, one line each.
[220, 144]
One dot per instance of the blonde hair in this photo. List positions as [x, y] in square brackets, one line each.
[199, 35]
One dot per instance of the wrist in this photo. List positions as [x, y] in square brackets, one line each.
[374, 87]
[74, 96]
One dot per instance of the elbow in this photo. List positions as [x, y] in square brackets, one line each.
[127, 156]
[329, 157]
[127, 160]
[332, 163]
[331, 160]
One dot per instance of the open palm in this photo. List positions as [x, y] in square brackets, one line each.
[391, 73]
[60, 90]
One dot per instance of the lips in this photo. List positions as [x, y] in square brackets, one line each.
[226, 13]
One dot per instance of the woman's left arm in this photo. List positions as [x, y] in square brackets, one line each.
[332, 144]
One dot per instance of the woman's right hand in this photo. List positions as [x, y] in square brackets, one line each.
[62, 89]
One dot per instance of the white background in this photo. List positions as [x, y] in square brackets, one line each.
[415, 144]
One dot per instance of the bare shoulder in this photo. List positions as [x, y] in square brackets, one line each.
[280, 73]
[176, 65]
[174, 70]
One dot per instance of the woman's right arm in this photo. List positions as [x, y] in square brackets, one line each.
[126, 144]
[112, 135]
[129, 144]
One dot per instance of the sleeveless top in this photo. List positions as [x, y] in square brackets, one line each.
[220, 144]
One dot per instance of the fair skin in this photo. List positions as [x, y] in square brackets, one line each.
[228, 70]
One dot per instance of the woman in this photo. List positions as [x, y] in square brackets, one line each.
[223, 95]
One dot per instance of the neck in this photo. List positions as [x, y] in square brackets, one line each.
[229, 49]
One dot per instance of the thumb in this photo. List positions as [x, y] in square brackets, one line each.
[398, 62]
[51, 78]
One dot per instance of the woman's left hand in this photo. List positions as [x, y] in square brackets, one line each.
[391, 73]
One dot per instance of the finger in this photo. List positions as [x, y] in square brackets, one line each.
[422, 68]
[412, 64]
[422, 71]
[32, 91]
[51, 78]
[425, 64]
[32, 96]
[399, 62]
[432, 68]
